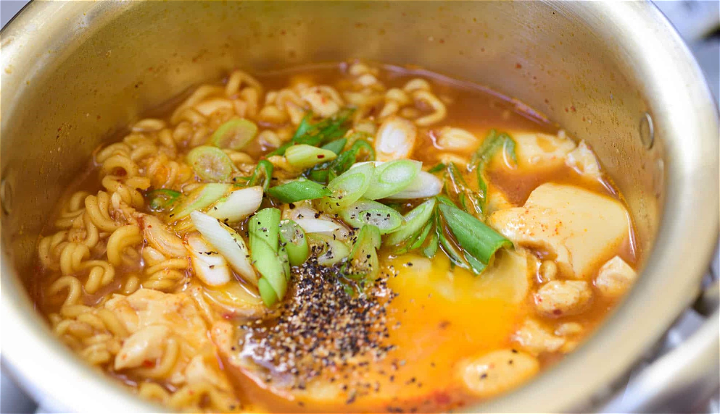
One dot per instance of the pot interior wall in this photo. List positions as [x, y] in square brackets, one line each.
[117, 60]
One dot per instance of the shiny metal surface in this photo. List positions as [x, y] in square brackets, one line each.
[73, 72]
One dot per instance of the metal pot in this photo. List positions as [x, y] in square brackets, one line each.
[614, 74]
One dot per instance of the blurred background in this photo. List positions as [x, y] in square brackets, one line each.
[698, 22]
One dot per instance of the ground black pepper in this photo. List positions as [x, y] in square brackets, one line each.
[323, 327]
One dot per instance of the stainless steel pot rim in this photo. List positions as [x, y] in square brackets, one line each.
[29, 349]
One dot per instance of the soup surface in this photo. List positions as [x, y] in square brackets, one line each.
[347, 237]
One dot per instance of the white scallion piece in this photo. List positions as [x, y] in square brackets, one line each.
[424, 185]
[237, 205]
[209, 265]
[226, 242]
[312, 225]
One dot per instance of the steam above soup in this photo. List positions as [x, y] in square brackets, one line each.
[334, 238]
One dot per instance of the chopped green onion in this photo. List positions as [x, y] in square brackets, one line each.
[431, 248]
[475, 265]
[210, 163]
[392, 177]
[237, 205]
[234, 134]
[270, 267]
[262, 175]
[420, 239]
[348, 158]
[413, 222]
[484, 154]
[293, 237]
[451, 251]
[298, 190]
[319, 133]
[227, 242]
[162, 199]
[336, 146]
[456, 186]
[320, 172]
[444, 200]
[313, 225]
[472, 235]
[327, 249]
[348, 187]
[285, 261]
[267, 293]
[416, 239]
[363, 261]
[423, 186]
[364, 212]
[265, 225]
[208, 265]
[265, 253]
[199, 199]
[345, 160]
[305, 156]
[437, 168]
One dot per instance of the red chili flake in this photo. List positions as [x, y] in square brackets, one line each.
[442, 398]
[518, 66]
[321, 156]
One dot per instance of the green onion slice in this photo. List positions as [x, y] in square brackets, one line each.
[199, 199]
[227, 242]
[327, 249]
[456, 187]
[436, 168]
[264, 229]
[420, 239]
[413, 222]
[348, 187]
[492, 143]
[344, 161]
[363, 261]
[348, 158]
[472, 235]
[305, 156]
[298, 190]
[265, 226]
[336, 146]
[210, 163]
[319, 133]
[162, 199]
[267, 293]
[269, 265]
[431, 247]
[237, 205]
[293, 238]
[364, 212]
[262, 175]
[392, 177]
[234, 134]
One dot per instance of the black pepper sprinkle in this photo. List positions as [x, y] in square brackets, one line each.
[323, 328]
